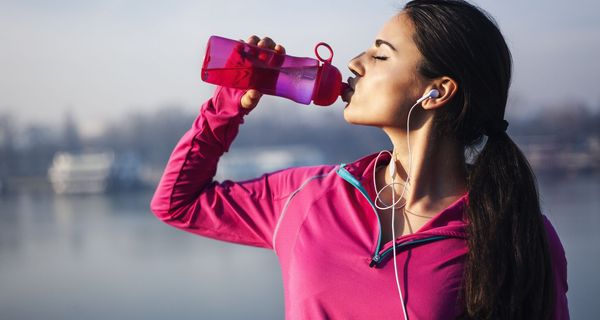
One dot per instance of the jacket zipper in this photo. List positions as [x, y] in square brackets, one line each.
[404, 244]
[342, 172]
[377, 258]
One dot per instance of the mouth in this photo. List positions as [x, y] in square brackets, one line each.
[351, 83]
[348, 90]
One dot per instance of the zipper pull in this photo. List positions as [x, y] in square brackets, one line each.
[374, 261]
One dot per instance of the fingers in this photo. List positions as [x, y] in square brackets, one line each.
[280, 49]
[253, 40]
[266, 42]
[250, 99]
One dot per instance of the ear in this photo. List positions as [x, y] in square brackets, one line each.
[447, 88]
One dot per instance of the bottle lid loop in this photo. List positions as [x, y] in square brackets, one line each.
[319, 56]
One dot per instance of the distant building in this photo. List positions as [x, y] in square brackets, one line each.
[91, 173]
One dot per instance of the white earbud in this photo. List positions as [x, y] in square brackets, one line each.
[433, 93]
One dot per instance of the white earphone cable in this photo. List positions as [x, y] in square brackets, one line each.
[377, 196]
[394, 201]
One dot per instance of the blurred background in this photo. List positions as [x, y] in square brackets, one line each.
[95, 94]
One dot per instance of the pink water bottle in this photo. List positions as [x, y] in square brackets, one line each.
[236, 64]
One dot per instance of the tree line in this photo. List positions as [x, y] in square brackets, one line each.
[27, 150]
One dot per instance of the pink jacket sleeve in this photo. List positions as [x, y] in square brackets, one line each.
[559, 264]
[188, 198]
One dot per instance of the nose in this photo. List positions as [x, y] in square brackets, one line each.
[355, 65]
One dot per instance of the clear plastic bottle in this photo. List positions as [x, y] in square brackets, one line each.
[240, 65]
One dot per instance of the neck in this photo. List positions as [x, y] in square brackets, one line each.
[437, 173]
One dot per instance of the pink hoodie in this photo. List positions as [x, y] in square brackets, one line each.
[321, 223]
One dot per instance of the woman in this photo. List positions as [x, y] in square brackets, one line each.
[471, 242]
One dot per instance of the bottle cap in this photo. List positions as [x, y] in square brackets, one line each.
[328, 86]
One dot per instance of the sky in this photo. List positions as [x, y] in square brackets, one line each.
[102, 60]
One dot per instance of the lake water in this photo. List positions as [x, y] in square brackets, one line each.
[108, 257]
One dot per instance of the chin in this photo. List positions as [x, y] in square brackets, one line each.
[349, 115]
[356, 118]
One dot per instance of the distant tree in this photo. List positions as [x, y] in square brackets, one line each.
[71, 141]
[7, 145]
[151, 137]
[36, 150]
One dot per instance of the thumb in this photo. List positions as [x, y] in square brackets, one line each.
[250, 99]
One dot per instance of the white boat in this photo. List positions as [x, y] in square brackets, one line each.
[86, 173]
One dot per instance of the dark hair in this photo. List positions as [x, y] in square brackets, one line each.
[508, 271]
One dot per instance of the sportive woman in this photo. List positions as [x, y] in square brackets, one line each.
[417, 232]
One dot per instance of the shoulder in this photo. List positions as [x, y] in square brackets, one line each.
[557, 251]
[554, 242]
[286, 181]
[315, 177]
[297, 175]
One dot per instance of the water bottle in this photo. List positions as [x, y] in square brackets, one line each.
[240, 65]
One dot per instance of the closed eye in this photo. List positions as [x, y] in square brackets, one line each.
[379, 58]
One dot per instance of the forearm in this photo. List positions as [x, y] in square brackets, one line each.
[193, 162]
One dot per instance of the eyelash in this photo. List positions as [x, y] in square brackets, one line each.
[382, 58]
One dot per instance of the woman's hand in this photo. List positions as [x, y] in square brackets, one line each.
[251, 98]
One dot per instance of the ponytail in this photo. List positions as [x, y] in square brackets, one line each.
[508, 269]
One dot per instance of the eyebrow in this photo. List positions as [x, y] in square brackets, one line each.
[379, 42]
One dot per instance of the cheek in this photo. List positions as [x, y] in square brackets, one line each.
[391, 84]
[381, 99]
[378, 88]
[389, 93]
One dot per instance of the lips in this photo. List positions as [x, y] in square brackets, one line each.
[352, 83]
[348, 90]
[347, 94]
